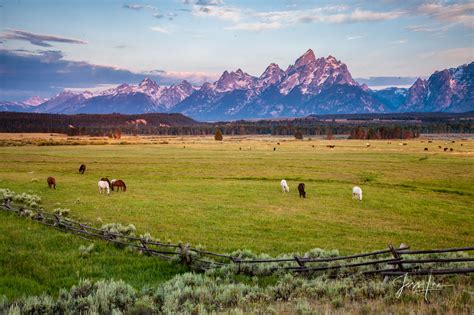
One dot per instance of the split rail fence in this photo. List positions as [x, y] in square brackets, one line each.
[387, 262]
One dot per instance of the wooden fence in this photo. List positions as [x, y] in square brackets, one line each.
[387, 262]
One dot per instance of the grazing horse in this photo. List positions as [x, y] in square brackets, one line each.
[82, 169]
[104, 186]
[120, 184]
[357, 193]
[51, 182]
[284, 186]
[301, 190]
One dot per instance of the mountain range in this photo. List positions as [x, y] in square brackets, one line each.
[311, 85]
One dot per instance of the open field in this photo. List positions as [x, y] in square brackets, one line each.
[198, 190]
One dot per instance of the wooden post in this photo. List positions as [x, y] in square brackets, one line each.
[300, 263]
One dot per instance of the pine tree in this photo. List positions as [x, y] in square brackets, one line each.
[218, 135]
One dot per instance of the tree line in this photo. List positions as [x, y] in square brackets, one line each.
[363, 126]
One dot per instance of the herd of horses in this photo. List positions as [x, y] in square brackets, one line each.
[356, 190]
[105, 185]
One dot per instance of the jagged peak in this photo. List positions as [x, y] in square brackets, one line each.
[420, 81]
[147, 81]
[306, 58]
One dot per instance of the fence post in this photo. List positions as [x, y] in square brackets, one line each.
[300, 263]
[396, 256]
[184, 249]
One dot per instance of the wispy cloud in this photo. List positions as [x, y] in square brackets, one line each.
[259, 21]
[398, 42]
[159, 29]
[139, 7]
[209, 2]
[256, 27]
[21, 68]
[427, 28]
[354, 37]
[41, 40]
[458, 13]
[222, 12]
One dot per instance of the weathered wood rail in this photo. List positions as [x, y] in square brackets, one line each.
[387, 262]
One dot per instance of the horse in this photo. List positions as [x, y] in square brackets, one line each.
[301, 190]
[120, 184]
[357, 193]
[82, 169]
[104, 186]
[51, 182]
[284, 186]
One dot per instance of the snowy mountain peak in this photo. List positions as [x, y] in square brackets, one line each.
[147, 82]
[306, 58]
[87, 94]
[271, 75]
[237, 80]
[35, 101]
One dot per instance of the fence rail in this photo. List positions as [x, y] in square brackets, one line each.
[391, 259]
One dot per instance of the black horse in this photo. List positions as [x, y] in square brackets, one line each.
[301, 190]
[82, 169]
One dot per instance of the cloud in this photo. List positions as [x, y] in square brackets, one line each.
[354, 37]
[209, 2]
[41, 40]
[159, 29]
[398, 42]
[27, 73]
[139, 7]
[329, 14]
[458, 13]
[256, 27]
[158, 15]
[222, 12]
[427, 28]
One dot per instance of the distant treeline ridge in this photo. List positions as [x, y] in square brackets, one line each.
[358, 126]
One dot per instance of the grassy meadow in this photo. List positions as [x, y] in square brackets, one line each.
[226, 196]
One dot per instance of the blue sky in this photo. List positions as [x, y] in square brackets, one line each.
[47, 46]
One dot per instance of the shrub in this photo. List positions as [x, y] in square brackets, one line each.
[218, 135]
[85, 251]
[62, 212]
[299, 135]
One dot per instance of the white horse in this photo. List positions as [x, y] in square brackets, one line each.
[357, 193]
[284, 186]
[104, 186]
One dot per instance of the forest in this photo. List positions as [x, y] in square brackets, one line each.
[356, 126]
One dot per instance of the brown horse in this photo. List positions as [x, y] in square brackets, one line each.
[82, 169]
[120, 184]
[51, 182]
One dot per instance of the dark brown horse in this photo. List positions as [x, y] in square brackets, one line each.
[120, 184]
[301, 190]
[82, 169]
[51, 182]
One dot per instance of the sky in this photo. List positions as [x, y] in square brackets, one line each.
[47, 46]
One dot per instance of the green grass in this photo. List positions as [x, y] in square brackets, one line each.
[37, 259]
[215, 194]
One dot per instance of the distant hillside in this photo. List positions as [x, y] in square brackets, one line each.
[89, 123]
